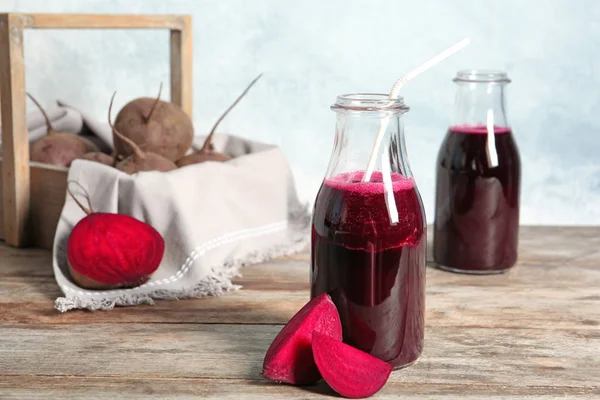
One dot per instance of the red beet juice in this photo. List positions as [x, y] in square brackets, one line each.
[477, 200]
[374, 269]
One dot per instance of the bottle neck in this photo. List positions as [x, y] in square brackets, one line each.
[479, 104]
[355, 136]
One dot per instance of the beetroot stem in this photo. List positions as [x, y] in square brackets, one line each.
[136, 149]
[206, 147]
[147, 117]
[88, 210]
[48, 124]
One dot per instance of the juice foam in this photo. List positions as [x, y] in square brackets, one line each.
[359, 210]
[478, 129]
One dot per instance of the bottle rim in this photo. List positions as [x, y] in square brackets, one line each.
[369, 102]
[482, 75]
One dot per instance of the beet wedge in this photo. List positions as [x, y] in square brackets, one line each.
[350, 372]
[289, 359]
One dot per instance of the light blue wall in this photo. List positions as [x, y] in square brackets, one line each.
[312, 50]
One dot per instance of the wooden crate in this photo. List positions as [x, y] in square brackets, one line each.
[32, 194]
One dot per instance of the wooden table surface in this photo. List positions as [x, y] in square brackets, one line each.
[533, 333]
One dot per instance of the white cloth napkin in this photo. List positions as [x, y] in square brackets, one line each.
[214, 217]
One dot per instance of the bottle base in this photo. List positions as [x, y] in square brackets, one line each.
[399, 367]
[472, 271]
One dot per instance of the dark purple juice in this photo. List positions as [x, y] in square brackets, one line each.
[477, 200]
[373, 269]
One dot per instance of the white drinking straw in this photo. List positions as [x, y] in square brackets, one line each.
[491, 140]
[396, 91]
[388, 188]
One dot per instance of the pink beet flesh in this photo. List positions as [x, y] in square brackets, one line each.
[350, 372]
[289, 359]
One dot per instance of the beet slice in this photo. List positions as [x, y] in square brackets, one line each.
[350, 372]
[289, 359]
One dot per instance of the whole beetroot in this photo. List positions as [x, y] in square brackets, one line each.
[108, 251]
[138, 160]
[58, 148]
[156, 126]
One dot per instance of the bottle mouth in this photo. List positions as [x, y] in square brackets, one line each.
[481, 75]
[369, 102]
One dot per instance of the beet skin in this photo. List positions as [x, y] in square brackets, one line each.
[113, 251]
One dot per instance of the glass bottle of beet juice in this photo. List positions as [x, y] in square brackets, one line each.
[478, 179]
[369, 233]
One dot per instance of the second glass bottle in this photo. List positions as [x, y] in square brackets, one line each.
[478, 181]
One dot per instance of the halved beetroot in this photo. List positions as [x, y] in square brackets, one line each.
[289, 359]
[350, 372]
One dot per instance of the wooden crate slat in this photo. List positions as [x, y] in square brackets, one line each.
[48, 192]
[101, 21]
[15, 144]
[181, 67]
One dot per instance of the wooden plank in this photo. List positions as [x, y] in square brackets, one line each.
[70, 388]
[100, 21]
[481, 333]
[577, 251]
[15, 144]
[591, 260]
[557, 245]
[573, 246]
[242, 307]
[48, 191]
[24, 262]
[292, 270]
[181, 63]
[471, 356]
[530, 295]
[513, 304]
[550, 245]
